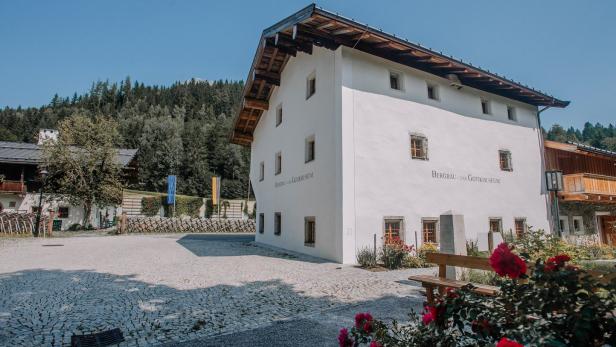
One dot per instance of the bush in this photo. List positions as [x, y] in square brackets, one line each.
[150, 205]
[393, 252]
[75, 227]
[366, 257]
[558, 305]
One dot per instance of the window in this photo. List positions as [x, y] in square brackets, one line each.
[393, 228]
[62, 212]
[496, 226]
[511, 113]
[578, 224]
[395, 81]
[277, 223]
[278, 115]
[432, 92]
[12, 203]
[34, 209]
[309, 231]
[485, 106]
[261, 171]
[419, 147]
[520, 226]
[278, 168]
[504, 158]
[309, 149]
[564, 225]
[261, 223]
[429, 231]
[311, 85]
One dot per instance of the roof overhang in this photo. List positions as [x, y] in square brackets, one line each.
[315, 26]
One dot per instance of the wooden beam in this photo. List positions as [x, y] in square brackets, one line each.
[256, 104]
[342, 31]
[267, 76]
[326, 25]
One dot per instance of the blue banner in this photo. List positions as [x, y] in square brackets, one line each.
[170, 189]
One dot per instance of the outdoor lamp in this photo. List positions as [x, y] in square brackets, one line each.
[554, 180]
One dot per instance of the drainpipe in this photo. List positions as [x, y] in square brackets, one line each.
[554, 226]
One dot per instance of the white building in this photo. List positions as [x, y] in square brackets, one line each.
[355, 132]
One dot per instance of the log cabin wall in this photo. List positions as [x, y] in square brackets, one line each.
[572, 163]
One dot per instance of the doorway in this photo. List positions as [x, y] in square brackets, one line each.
[608, 230]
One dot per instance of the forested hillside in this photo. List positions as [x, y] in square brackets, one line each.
[182, 129]
[595, 135]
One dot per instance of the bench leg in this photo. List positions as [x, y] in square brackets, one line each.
[429, 294]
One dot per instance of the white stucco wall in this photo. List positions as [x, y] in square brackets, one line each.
[363, 170]
[461, 140]
[301, 189]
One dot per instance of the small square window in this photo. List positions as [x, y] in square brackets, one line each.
[12, 204]
[309, 151]
[419, 147]
[564, 225]
[432, 91]
[511, 113]
[496, 225]
[393, 228]
[261, 171]
[278, 115]
[63, 212]
[34, 209]
[429, 231]
[278, 161]
[277, 223]
[309, 231]
[261, 223]
[505, 160]
[578, 224]
[311, 85]
[394, 81]
[485, 106]
[520, 226]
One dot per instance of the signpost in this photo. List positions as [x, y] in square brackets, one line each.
[216, 193]
[171, 182]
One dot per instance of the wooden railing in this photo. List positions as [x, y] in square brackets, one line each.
[584, 183]
[12, 186]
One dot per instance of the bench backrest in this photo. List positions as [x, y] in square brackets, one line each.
[470, 262]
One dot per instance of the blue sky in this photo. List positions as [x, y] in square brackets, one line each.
[565, 48]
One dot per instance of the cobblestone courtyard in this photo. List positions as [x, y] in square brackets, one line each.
[169, 288]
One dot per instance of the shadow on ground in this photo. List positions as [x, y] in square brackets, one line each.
[229, 245]
[45, 307]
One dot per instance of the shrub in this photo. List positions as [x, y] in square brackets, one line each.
[366, 257]
[150, 205]
[75, 227]
[393, 252]
[558, 305]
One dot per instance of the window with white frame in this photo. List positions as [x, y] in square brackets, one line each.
[520, 226]
[393, 228]
[564, 225]
[485, 106]
[311, 85]
[419, 147]
[309, 149]
[432, 90]
[504, 158]
[578, 224]
[278, 163]
[261, 171]
[429, 230]
[395, 80]
[309, 231]
[278, 115]
[511, 114]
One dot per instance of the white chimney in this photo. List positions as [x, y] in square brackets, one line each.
[47, 134]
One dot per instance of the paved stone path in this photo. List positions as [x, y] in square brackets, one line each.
[161, 289]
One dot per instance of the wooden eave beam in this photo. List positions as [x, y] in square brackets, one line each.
[256, 104]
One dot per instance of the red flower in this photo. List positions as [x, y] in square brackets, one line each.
[343, 338]
[505, 342]
[556, 262]
[363, 321]
[482, 325]
[451, 293]
[506, 263]
[375, 344]
[430, 314]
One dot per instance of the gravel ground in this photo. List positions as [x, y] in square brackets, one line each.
[162, 289]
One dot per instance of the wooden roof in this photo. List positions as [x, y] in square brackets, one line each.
[315, 26]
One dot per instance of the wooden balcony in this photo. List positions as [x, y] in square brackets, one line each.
[12, 186]
[589, 187]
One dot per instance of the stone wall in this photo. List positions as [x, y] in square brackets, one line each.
[188, 225]
[588, 213]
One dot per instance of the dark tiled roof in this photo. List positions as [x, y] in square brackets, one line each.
[30, 153]
[588, 148]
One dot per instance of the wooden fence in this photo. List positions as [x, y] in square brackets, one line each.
[185, 225]
[15, 223]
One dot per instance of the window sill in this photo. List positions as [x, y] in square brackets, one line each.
[308, 161]
[418, 158]
[277, 173]
[277, 234]
[309, 245]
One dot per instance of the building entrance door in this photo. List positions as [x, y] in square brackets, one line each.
[608, 230]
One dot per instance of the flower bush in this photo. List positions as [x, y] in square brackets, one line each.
[366, 257]
[393, 252]
[558, 304]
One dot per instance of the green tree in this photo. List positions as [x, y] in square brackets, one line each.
[82, 163]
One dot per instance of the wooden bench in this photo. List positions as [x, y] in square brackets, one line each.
[442, 283]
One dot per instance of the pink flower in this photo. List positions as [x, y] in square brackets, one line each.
[343, 338]
[506, 263]
[430, 314]
[363, 321]
[505, 342]
[375, 344]
[554, 263]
